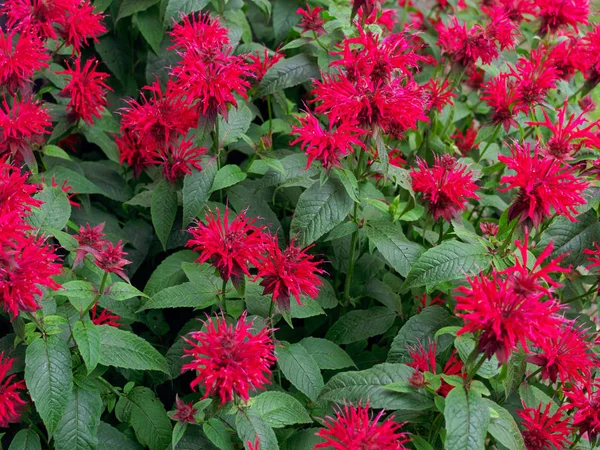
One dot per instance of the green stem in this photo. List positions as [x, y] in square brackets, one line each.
[530, 377]
[98, 295]
[508, 239]
[223, 296]
[270, 115]
[474, 370]
[441, 224]
[590, 290]
[319, 42]
[271, 307]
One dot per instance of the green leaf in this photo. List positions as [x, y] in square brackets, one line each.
[124, 349]
[300, 369]
[350, 184]
[26, 440]
[467, 419]
[55, 152]
[169, 272]
[418, 329]
[49, 378]
[216, 431]
[319, 210]
[399, 252]
[54, 212]
[109, 438]
[159, 65]
[164, 210]
[465, 346]
[123, 291]
[196, 191]
[78, 289]
[176, 8]
[264, 6]
[250, 426]
[503, 427]
[149, 24]
[284, 18]
[449, 261]
[130, 7]
[147, 415]
[238, 122]
[361, 324]
[78, 427]
[186, 295]
[112, 51]
[326, 354]
[369, 385]
[287, 73]
[515, 371]
[309, 308]
[94, 135]
[87, 338]
[227, 176]
[279, 409]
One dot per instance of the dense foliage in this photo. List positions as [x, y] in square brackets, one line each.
[263, 224]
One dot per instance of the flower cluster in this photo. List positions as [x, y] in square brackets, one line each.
[11, 403]
[425, 360]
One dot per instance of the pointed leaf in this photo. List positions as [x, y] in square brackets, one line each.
[78, 427]
[164, 210]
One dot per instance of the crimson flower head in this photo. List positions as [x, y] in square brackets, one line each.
[353, 428]
[326, 146]
[466, 46]
[466, 142]
[106, 317]
[23, 123]
[15, 193]
[11, 403]
[559, 14]
[87, 90]
[133, 151]
[79, 22]
[229, 245]
[199, 33]
[424, 360]
[543, 430]
[565, 354]
[440, 94]
[594, 257]
[178, 159]
[110, 259]
[534, 77]
[89, 240]
[386, 18]
[184, 411]
[503, 317]
[261, 63]
[474, 77]
[230, 360]
[311, 20]
[591, 52]
[502, 29]
[500, 95]
[37, 16]
[446, 186]
[584, 400]
[543, 183]
[19, 61]
[567, 56]
[489, 228]
[287, 273]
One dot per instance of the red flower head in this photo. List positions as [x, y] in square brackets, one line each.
[534, 77]
[311, 20]
[504, 318]
[543, 430]
[11, 402]
[23, 123]
[90, 240]
[37, 16]
[565, 354]
[19, 61]
[15, 193]
[584, 400]
[87, 90]
[567, 57]
[199, 33]
[287, 273]
[159, 121]
[446, 186]
[466, 142]
[260, 64]
[78, 23]
[502, 30]
[489, 228]
[352, 428]
[184, 411]
[326, 146]
[594, 257]
[568, 136]
[178, 159]
[106, 317]
[133, 151]
[514, 9]
[466, 46]
[26, 263]
[440, 94]
[591, 52]
[526, 279]
[424, 360]
[228, 245]
[500, 95]
[110, 259]
[543, 183]
[386, 18]
[559, 14]
[230, 360]
[474, 77]
[422, 304]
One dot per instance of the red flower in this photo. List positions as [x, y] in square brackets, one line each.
[466, 46]
[595, 257]
[352, 428]
[133, 151]
[185, 411]
[11, 402]
[178, 159]
[543, 430]
[19, 61]
[23, 123]
[504, 318]
[543, 183]
[559, 14]
[564, 354]
[37, 16]
[591, 53]
[500, 95]
[110, 259]
[199, 33]
[534, 77]
[567, 56]
[90, 240]
[567, 138]
[87, 90]
[255, 445]
[502, 29]
[526, 278]
[78, 23]
[260, 65]
[584, 400]
[440, 94]
[15, 194]
[422, 304]
[489, 228]
[287, 273]
[514, 9]
[446, 186]
[311, 20]
[386, 18]
[475, 77]
[230, 360]
[227, 245]
[106, 317]
[466, 142]
[424, 360]
[326, 146]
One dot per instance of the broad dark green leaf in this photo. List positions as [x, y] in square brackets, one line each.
[169, 272]
[26, 440]
[186, 295]
[302, 440]
[87, 338]
[196, 191]
[216, 431]
[357, 325]
[95, 135]
[54, 212]
[130, 7]
[287, 73]
[327, 354]
[49, 378]
[123, 291]
[177, 8]
[504, 428]
[300, 369]
[398, 251]
[109, 438]
[149, 24]
[164, 210]
[250, 426]
[467, 419]
[78, 427]
[227, 176]
[284, 17]
[237, 123]
[279, 409]
[115, 55]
